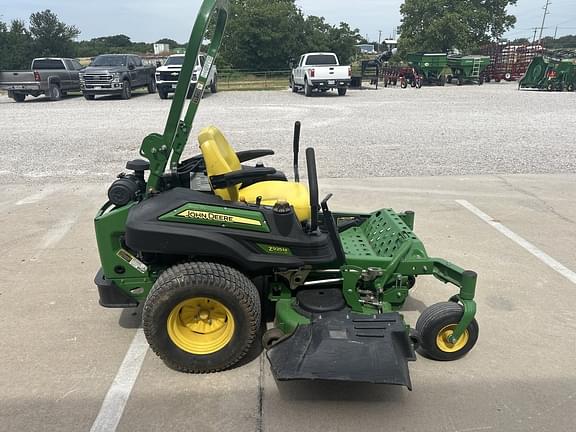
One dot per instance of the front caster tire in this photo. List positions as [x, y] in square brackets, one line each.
[271, 337]
[436, 324]
[201, 317]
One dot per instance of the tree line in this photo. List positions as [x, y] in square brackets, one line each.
[261, 35]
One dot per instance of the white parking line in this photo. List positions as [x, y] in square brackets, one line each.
[118, 393]
[38, 196]
[542, 256]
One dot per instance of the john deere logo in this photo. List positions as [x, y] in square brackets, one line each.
[217, 217]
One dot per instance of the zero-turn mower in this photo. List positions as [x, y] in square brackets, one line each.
[212, 264]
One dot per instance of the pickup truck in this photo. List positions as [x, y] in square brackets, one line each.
[116, 74]
[320, 71]
[167, 75]
[53, 77]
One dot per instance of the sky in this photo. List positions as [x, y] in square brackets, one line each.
[150, 20]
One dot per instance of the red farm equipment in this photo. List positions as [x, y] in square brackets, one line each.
[509, 62]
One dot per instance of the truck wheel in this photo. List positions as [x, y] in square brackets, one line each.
[19, 97]
[152, 85]
[214, 84]
[89, 96]
[307, 88]
[126, 90]
[54, 93]
[342, 91]
[201, 316]
[163, 94]
[293, 86]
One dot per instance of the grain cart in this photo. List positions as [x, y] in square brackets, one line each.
[552, 75]
[212, 265]
[432, 67]
[468, 68]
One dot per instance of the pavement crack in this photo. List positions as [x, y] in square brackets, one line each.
[543, 202]
[260, 408]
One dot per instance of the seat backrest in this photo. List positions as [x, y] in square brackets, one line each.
[220, 158]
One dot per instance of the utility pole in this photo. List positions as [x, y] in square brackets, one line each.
[380, 36]
[534, 37]
[555, 32]
[544, 20]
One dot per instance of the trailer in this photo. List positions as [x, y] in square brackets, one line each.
[432, 67]
[468, 68]
[509, 62]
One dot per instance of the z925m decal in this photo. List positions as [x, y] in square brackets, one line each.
[219, 216]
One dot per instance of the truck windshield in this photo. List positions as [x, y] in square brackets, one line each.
[321, 59]
[43, 64]
[109, 61]
[174, 61]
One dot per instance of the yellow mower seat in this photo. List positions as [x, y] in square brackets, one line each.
[220, 158]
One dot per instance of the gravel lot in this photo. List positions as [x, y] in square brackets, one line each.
[468, 130]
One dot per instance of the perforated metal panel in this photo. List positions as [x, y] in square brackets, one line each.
[381, 235]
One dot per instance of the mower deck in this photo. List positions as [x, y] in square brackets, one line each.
[345, 346]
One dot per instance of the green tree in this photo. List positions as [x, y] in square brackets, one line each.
[441, 25]
[16, 50]
[262, 34]
[51, 36]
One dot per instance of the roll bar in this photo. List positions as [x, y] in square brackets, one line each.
[160, 149]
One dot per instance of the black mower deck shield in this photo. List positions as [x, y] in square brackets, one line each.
[344, 346]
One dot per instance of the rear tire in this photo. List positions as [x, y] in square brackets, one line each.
[18, 97]
[307, 89]
[54, 92]
[201, 317]
[163, 94]
[89, 97]
[126, 90]
[436, 323]
[342, 91]
[214, 84]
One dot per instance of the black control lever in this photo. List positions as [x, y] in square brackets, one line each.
[296, 150]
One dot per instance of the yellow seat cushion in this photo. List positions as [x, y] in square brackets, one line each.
[220, 158]
[273, 191]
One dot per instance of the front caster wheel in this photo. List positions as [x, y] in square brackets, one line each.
[436, 324]
[201, 317]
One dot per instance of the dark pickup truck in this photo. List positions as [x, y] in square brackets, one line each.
[53, 77]
[116, 74]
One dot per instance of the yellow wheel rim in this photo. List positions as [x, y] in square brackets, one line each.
[443, 343]
[200, 325]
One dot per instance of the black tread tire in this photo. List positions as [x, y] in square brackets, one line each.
[272, 336]
[202, 279]
[307, 88]
[162, 94]
[126, 90]
[89, 97]
[403, 84]
[214, 84]
[54, 92]
[18, 97]
[570, 87]
[342, 91]
[152, 85]
[293, 85]
[432, 320]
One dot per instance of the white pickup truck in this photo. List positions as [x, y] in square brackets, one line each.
[167, 75]
[320, 71]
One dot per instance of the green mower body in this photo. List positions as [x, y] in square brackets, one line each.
[212, 271]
